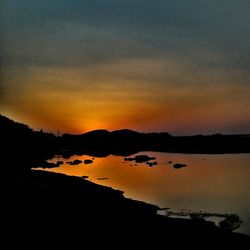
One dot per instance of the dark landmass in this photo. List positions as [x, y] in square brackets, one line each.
[44, 210]
[127, 142]
[20, 144]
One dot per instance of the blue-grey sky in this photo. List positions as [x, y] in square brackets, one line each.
[181, 66]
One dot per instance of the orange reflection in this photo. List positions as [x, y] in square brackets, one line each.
[209, 183]
[214, 183]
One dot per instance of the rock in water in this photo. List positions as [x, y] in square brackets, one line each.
[88, 161]
[76, 162]
[179, 165]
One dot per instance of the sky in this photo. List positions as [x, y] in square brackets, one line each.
[166, 65]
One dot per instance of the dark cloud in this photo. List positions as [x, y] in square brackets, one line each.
[84, 32]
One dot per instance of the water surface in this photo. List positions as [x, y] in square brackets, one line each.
[209, 183]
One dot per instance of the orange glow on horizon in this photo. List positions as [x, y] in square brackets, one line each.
[77, 100]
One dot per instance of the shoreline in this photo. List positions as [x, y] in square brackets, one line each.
[44, 203]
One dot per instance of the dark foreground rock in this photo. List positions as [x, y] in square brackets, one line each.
[88, 161]
[43, 210]
[76, 162]
[179, 165]
[139, 158]
[151, 164]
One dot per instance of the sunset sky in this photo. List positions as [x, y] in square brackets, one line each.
[165, 65]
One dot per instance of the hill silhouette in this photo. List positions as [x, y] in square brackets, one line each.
[126, 142]
[18, 139]
[21, 144]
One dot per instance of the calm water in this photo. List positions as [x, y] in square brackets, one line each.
[209, 183]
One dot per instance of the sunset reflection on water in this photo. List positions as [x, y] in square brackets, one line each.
[209, 183]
